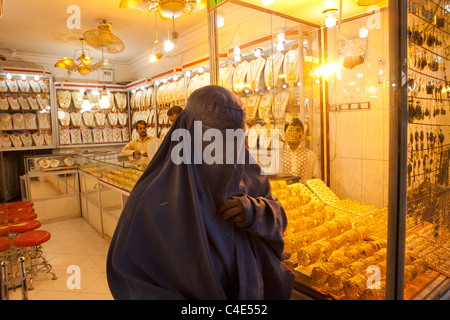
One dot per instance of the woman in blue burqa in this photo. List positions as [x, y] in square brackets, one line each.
[201, 223]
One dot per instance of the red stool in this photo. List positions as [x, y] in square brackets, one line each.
[4, 249]
[4, 244]
[4, 229]
[23, 226]
[20, 204]
[31, 243]
[22, 217]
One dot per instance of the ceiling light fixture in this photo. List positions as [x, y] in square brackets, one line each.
[84, 66]
[330, 17]
[167, 9]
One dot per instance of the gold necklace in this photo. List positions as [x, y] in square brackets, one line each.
[64, 136]
[75, 135]
[87, 135]
[18, 121]
[5, 122]
[44, 120]
[30, 121]
[38, 139]
[14, 103]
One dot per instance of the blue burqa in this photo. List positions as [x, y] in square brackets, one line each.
[171, 243]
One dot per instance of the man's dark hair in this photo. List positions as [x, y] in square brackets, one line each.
[297, 122]
[140, 122]
[174, 110]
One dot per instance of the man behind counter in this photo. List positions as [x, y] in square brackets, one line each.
[138, 146]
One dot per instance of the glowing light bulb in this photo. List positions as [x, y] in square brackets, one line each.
[168, 45]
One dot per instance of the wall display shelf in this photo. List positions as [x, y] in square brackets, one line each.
[25, 111]
[87, 119]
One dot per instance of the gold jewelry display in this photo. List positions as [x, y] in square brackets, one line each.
[117, 135]
[107, 135]
[24, 85]
[94, 98]
[38, 139]
[125, 134]
[43, 83]
[69, 161]
[48, 137]
[240, 75]
[252, 106]
[18, 121]
[43, 102]
[98, 135]
[132, 100]
[121, 100]
[75, 136]
[4, 104]
[255, 69]
[224, 75]
[54, 163]
[291, 66]
[100, 119]
[6, 141]
[16, 140]
[112, 118]
[86, 135]
[64, 118]
[26, 139]
[193, 83]
[122, 117]
[23, 101]
[14, 103]
[265, 105]
[32, 100]
[3, 86]
[44, 163]
[12, 85]
[77, 98]
[75, 116]
[137, 99]
[88, 119]
[64, 98]
[205, 79]
[64, 136]
[280, 103]
[5, 122]
[44, 120]
[35, 87]
[30, 121]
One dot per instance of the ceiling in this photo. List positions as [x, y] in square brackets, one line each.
[40, 27]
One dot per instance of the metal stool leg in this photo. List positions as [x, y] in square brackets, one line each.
[23, 279]
[4, 292]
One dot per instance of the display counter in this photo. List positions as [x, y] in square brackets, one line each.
[105, 184]
[338, 247]
[51, 181]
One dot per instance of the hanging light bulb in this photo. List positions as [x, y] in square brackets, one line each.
[168, 45]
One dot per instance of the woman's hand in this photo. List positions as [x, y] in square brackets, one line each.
[234, 211]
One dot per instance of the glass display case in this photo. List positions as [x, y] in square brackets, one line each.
[51, 181]
[105, 184]
[374, 222]
[25, 111]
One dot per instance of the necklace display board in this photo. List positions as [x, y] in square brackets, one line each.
[25, 110]
[84, 118]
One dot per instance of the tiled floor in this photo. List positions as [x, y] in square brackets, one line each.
[73, 243]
